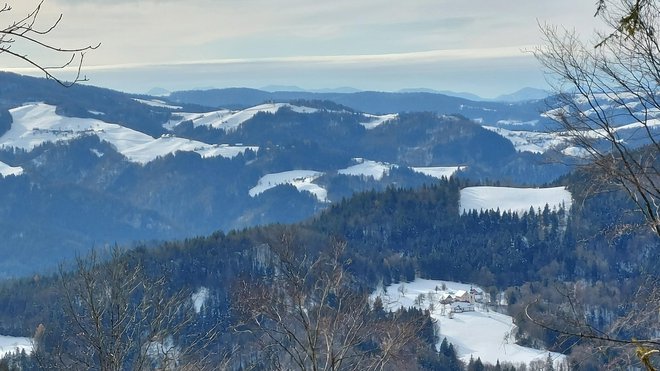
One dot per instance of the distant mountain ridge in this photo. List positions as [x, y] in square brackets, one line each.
[374, 102]
[521, 95]
[524, 94]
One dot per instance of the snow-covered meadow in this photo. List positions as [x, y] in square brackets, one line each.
[367, 168]
[301, 179]
[377, 120]
[439, 171]
[518, 200]
[481, 333]
[6, 170]
[157, 103]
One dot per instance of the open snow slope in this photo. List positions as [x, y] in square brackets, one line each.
[438, 171]
[378, 170]
[514, 199]
[367, 168]
[6, 170]
[157, 103]
[228, 120]
[10, 344]
[377, 120]
[481, 334]
[38, 123]
[301, 179]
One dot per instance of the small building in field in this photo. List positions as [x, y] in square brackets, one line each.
[462, 306]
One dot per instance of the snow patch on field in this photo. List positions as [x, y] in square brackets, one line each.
[481, 333]
[301, 179]
[518, 200]
[229, 120]
[367, 168]
[439, 171]
[35, 124]
[6, 170]
[157, 103]
[377, 120]
[10, 344]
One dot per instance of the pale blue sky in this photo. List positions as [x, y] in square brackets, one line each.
[475, 46]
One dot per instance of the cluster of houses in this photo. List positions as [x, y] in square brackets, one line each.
[462, 301]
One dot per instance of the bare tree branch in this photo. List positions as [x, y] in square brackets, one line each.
[30, 34]
[308, 316]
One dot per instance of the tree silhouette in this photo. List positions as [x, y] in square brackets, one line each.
[25, 32]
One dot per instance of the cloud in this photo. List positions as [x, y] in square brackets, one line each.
[388, 58]
[256, 39]
[485, 72]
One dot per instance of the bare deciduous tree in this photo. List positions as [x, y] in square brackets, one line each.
[610, 102]
[118, 318]
[308, 316]
[24, 32]
[629, 341]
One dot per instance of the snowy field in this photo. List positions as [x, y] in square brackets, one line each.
[35, 124]
[378, 170]
[518, 200]
[157, 103]
[439, 171]
[6, 170]
[301, 179]
[228, 120]
[530, 141]
[376, 120]
[10, 344]
[367, 168]
[480, 334]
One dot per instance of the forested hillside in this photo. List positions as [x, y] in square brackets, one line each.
[89, 167]
[390, 236]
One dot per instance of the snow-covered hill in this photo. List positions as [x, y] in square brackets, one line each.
[367, 168]
[531, 141]
[518, 200]
[375, 121]
[6, 170]
[230, 120]
[37, 123]
[439, 171]
[301, 179]
[481, 333]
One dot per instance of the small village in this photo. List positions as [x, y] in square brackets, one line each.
[447, 301]
[465, 315]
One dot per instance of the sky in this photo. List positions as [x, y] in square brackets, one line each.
[477, 46]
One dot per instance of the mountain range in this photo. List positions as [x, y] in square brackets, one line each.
[87, 166]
